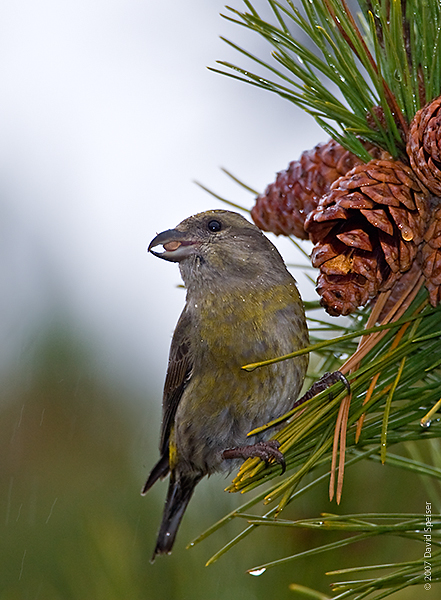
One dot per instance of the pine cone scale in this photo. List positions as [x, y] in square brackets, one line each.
[401, 218]
[431, 257]
[407, 256]
[380, 193]
[332, 213]
[430, 139]
[322, 254]
[390, 250]
[356, 181]
[339, 265]
[356, 201]
[378, 218]
[423, 145]
[357, 238]
[367, 266]
[382, 171]
[402, 196]
[379, 233]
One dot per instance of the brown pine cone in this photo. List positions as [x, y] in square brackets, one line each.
[424, 145]
[367, 230]
[285, 204]
[431, 257]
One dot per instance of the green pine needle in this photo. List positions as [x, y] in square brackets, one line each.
[350, 65]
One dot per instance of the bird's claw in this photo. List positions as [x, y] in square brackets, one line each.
[267, 451]
[325, 381]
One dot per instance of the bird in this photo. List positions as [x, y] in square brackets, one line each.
[242, 306]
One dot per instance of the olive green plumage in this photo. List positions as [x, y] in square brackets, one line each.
[242, 306]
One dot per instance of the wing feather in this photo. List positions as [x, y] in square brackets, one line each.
[180, 365]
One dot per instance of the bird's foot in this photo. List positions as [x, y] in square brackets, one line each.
[322, 384]
[267, 451]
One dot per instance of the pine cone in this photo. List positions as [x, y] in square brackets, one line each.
[367, 230]
[431, 258]
[424, 145]
[286, 203]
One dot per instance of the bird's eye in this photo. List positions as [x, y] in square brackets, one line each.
[214, 225]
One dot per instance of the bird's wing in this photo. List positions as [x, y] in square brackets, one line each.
[180, 365]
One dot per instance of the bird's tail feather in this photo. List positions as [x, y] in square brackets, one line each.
[180, 490]
[159, 471]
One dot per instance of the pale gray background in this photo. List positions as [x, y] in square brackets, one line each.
[107, 115]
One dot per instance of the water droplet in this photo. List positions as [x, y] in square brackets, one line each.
[426, 424]
[257, 572]
[406, 233]
[397, 75]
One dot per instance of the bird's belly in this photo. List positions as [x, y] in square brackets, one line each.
[217, 412]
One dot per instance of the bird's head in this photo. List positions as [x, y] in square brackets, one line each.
[218, 243]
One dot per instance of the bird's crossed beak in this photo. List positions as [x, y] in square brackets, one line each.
[177, 245]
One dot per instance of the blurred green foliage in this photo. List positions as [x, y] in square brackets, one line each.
[73, 526]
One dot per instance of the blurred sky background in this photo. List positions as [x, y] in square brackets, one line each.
[108, 114]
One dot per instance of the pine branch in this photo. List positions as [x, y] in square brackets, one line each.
[379, 59]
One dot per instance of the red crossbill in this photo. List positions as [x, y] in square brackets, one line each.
[242, 306]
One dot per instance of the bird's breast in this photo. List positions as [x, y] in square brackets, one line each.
[234, 328]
